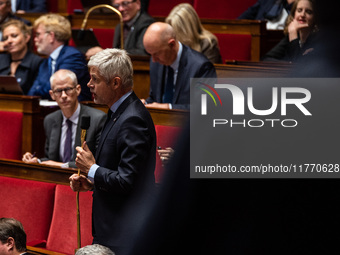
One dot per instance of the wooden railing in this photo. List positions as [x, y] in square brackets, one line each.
[35, 172]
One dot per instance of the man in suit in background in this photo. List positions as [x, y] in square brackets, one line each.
[125, 157]
[65, 90]
[135, 24]
[274, 11]
[12, 237]
[52, 32]
[171, 67]
[23, 6]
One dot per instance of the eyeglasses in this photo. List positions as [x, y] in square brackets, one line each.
[38, 34]
[123, 4]
[68, 91]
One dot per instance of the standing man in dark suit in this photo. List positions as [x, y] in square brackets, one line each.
[52, 32]
[135, 24]
[169, 56]
[125, 157]
[65, 90]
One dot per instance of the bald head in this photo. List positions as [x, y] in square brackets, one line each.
[161, 43]
[159, 32]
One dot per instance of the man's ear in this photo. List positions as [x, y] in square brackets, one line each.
[78, 89]
[171, 43]
[52, 34]
[116, 82]
[51, 94]
[10, 243]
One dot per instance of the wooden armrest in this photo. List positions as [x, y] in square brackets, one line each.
[36, 250]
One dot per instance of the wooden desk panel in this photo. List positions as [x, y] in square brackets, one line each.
[35, 172]
[159, 116]
[251, 71]
[141, 75]
[40, 251]
[29, 106]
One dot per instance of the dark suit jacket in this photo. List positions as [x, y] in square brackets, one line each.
[126, 156]
[12, 16]
[71, 59]
[291, 51]
[52, 125]
[32, 5]
[26, 71]
[260, 10]
[134, 41]
[191, 65]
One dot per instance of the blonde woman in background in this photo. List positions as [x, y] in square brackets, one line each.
[19, 60]
[301, 33]
[189, 31]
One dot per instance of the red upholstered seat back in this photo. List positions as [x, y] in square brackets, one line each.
[52, 6]
[217, 9]
[10, 135]
[234, 46]
[166, 137]
[63, 232]
[104, 36]
[30, 202]
[74, 5]
[163, 8]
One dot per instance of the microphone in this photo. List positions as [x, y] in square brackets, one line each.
[81, 33]
[84, 125]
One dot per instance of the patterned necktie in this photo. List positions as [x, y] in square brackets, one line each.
[169, 86]
[68, 142]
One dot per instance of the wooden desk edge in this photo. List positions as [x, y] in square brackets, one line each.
[35, 172]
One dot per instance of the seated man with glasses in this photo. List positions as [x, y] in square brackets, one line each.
[135, 25]
[52, 33]
[62, 127]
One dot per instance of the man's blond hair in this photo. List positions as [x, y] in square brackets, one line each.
[59, 25]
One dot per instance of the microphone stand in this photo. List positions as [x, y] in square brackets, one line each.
[83, 26]
[85, 124]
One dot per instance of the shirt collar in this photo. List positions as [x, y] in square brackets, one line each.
[115, 106]
[75, 116]
[55, 54]
[175, 64]
[132, 21]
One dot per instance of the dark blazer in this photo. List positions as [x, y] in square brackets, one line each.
[31, 5]
[12, 16]
[191, 65]
[71, 59]
[260, 10]
[26, 71]
[126, 155]
[52, 125]
[291, 51]
[134, 41]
